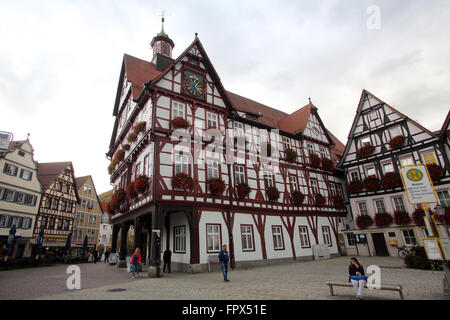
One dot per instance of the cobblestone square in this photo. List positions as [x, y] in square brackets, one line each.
[290, 281]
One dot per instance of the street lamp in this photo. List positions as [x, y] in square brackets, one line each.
[440, 211]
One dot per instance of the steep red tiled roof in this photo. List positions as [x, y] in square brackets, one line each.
[47, 172]
[138, 72]
[296, 122]
[81, 180]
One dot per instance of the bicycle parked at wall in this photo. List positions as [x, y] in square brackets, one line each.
[403, 250]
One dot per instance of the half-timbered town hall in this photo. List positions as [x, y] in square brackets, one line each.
[195, 166]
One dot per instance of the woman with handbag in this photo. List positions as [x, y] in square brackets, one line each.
[357, 277]
[135, 261]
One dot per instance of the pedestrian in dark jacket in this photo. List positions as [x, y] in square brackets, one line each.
[357, 277]
[94, 256]
[106, 256]
[167, 257]
[223, 259]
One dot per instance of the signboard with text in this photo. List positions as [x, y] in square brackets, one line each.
[5, 140]
[432, 249]
[417, 184]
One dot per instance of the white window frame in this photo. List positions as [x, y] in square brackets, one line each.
[178, 110]
[314, 185]
[380, 206]
[445, 199]
[395, 131]
[408, 239]
[181, 163]
[213, 169]
[366, 210]
[213, 237]
[304, 236]
[212, 120]
[239, 174]
[277, 236]
[247, 238]
[384, 164]
[286, 143]
[293, 184]
[397, 205]
[408, 158]
[326, 234]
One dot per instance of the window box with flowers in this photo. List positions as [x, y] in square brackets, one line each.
[182, 181]
[391, 180]
[120, 155]
[314, 160]
[396, 142]
[113, 203]
[291, 155]
[132, 136]
[126, 147]
[180, 123]
[364, 221]
[327, 164]
[319, 200]
[338, 202]
[272, 193]
[418, 217]
[371, 183]
[366, 150]
[297, 197]
[139, 127]
[131, 192]
[355, 186]
[216, 186]
[119, 194]
[435, 171]
[401, 217]
[383, 219]
[243, 190]
[141, 184]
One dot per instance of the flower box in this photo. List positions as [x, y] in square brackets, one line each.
[435, 171]
[338, 202]
[355, 187]
[243, 190]
[141, 184]
[182, 181]
[418, 217]
[272, 193]
[366, 150]
[383, 219]
[314, 160]
[297, 197]
[327, 164]
[216, 186]
[132, 137]
[371, 183]
[364, 221]
[396, 142]
[180, 123]
[291, 155]
[401, 217]
[139, 127]
[319, 200]
[391, 180]
[126, 147]
[131, 192]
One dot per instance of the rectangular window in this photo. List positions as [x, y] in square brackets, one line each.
[387, 167]
[44, 222]
[326, 236]
[310, 149]
[406, 161]
[179, 234]
[428, 157]
[399, 205]
[3, 219]
[268, 179]
[247, 238]
[181, 163]
[213, 169]
[370, 171]
[277, 235]
[333, 191]
[10, 169]
[351, 239]
[26, 174]
[304, 236]
[177, 110]
[213, 237]
[8, 195]
[238, 129]
[363, 208]
[410, 238]
[314, 186]
[59, 224]
[20, 197]
[395, 131]
[29, 199]
[286, 143]
[51, 223]
[240, 174]
[211, 120]
[379, 206]
[323, 153]
[354, 176]
[145, 169]
[444, 198]
[293, 183]
[365, 140]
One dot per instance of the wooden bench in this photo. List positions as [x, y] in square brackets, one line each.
[398, 288]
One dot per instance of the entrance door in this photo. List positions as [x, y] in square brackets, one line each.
[380, 244]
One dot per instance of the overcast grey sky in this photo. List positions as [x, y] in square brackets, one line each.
[60, 62]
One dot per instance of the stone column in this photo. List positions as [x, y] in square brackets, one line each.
[115, 233]
[122, 263]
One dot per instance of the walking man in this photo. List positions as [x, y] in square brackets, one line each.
[107, 256]
[223, 259]
[167, 257]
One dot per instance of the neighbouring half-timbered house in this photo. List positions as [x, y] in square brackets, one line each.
[381, 140]
[208, 167]
[58, 204]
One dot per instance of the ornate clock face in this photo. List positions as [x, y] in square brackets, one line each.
[194, 84]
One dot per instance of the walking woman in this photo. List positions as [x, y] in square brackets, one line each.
[357, 277]
[135, 261]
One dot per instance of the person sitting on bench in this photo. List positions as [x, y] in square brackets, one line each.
[357, 277]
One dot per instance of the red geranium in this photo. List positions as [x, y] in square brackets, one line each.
[371, 183]
[180, 122]
[338, 202]
[119, 194]
[139, 127]
[366, 150]
[314, 160]
[401, 217]
[243, 190]
[141, 184]
[131, 192]
[120, 154]
[297, 197]
[272, 193]
[132, 137]
[396, 142]
[182, 181]
[291, 155]
[216, 186]
[383, 219]
[327, 164]
[418, 217]
[319, 200]
[391, 180]
[364, 221]
[355, 186]
[113, 203]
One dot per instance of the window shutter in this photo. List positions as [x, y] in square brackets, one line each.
[5, 168]
[21, 173]
[15, 171]
[34, 201]
[5, 193]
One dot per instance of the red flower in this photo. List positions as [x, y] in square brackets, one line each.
[371, 183]
[297, 197]
[383, 219]
[418, 217]
[355, 186]
[327, 164]
[182, 181]
[319, 200]
[401, 217]
[447, 216]
[396, 142]
[132, 137]
[180, 122]
[364, 221]
[141, 184]
[131, 192]
[366, 150]
[272, 193]
[291, 155]
[119, 194]
[338, 202]
[391, 180]
[315, 160]
[243, 190]
[216, 186]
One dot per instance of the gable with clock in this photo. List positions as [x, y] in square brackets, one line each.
[194, 84]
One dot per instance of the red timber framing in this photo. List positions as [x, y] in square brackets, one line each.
[334, 226]
[260, 223]
[228, 218]
[312, 221]
[290, 227]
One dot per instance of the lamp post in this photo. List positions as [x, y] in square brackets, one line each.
[440, 211]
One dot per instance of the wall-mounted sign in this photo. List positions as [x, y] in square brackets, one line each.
[5, 140]
[417, 184]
